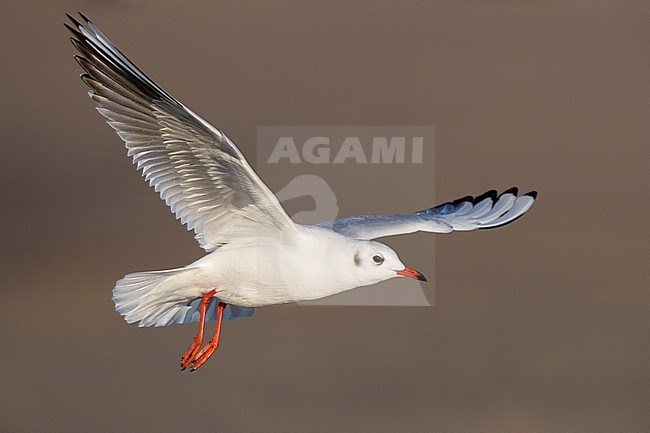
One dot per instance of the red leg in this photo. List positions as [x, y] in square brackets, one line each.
[212, 345]
[190, 353]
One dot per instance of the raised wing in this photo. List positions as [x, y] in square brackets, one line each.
[486, 211]
[194, 166]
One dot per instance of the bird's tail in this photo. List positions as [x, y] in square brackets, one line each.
[157, 298]
[147, 297]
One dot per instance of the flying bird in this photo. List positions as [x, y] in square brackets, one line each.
[256, 254]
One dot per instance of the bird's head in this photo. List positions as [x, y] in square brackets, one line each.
[375, 262]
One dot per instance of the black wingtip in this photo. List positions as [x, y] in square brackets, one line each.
[76, 30]
[502, 224]
[514, 191]
[83, 17]
[73, 30]
[463, 199]
[74, 21]
[532, 194]
[492, 194]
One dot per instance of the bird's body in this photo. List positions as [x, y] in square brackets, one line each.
[258, 272]
[257, 256]
[267, 273]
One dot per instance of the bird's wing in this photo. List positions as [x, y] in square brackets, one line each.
[483, 212]
[195, 167]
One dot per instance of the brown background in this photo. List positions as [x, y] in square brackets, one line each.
[538, 327]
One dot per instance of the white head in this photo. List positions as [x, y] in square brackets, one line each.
[375, 262]
[322, 262]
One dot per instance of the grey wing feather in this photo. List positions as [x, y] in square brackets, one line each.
[195, 167]
[192, 315]
[468, 213]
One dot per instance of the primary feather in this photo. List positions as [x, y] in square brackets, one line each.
[465, 214]
[194, 166]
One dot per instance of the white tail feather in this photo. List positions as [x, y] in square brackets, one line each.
[148, 298]
[152, 298]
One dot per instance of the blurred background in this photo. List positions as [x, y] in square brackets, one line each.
[541, 326]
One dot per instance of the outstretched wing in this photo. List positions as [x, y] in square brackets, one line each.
[483, 212]
[195, 167]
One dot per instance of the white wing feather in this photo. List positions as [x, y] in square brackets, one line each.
[194, 166]
[465, 214]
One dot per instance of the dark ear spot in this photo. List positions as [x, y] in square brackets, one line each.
[357, 259]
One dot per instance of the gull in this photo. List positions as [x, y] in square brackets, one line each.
[256, 254]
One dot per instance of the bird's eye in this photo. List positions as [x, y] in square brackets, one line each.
[378, 259]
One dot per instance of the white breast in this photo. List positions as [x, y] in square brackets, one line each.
[315, 264]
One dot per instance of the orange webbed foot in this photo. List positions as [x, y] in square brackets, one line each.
[191, 352]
